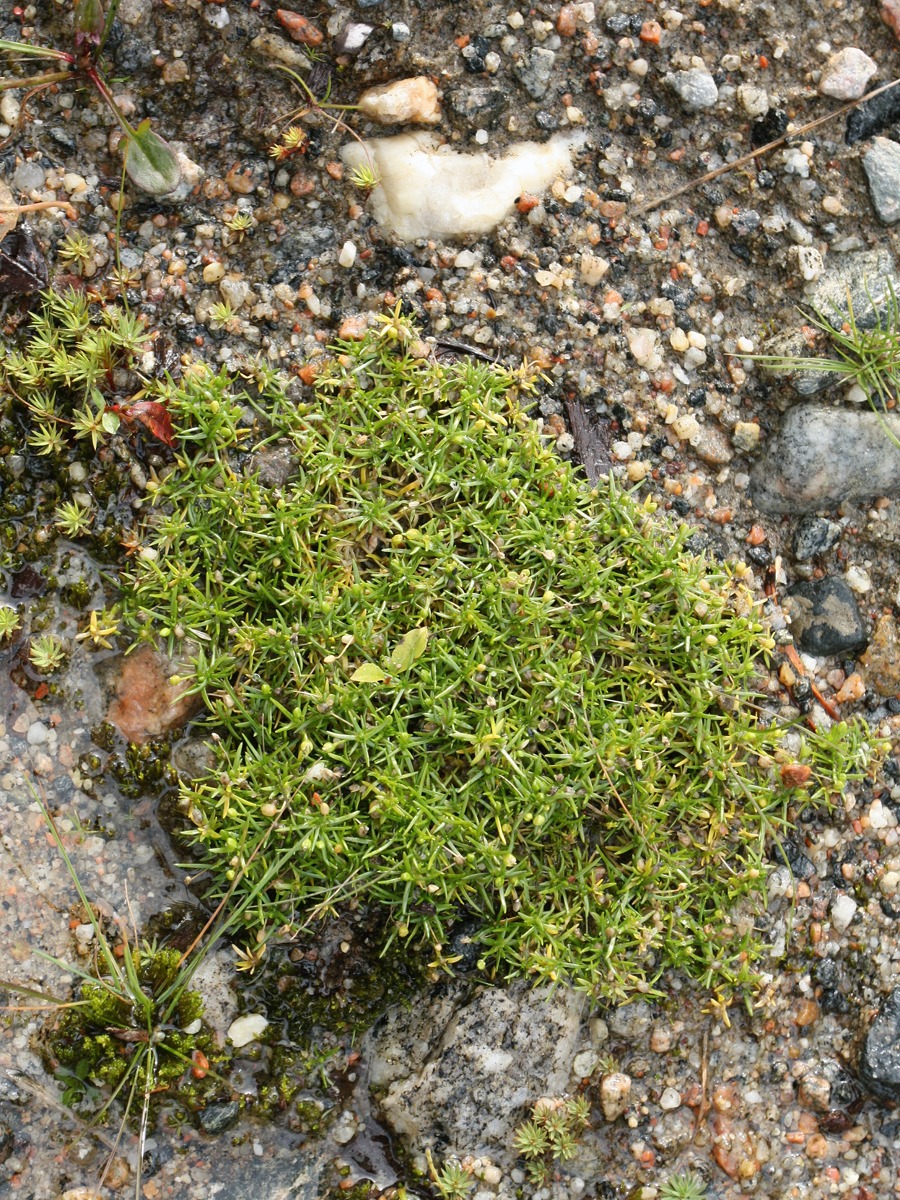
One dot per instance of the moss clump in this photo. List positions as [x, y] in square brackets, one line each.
[102, 1041]
[461, 685]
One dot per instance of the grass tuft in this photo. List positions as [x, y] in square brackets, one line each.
[464, 687]
[867, 355]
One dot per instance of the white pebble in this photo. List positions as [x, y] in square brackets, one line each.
[347, 256]
[858, 580]
[843, 910]
[246, 1028]
[670, 1100]
[37, 734]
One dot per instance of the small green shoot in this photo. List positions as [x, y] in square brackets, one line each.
[220, 314]
[76, 249]
[551, 1135]
[688, 1186]
[452, 1181]
[102, 625]
[65, 374]
[293, 141]
[9, 622]
[47, 653]
[239, 223]
[365, 177]
[72, 519]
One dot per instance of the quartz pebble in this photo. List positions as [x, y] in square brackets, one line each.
[846, 74]
[404, 102]
[615, 1090]
[843, 910]
[246, 1029]
[696, 89]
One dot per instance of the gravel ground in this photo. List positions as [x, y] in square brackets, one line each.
[633, 308]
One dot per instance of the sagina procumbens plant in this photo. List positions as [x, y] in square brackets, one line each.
[468, 690]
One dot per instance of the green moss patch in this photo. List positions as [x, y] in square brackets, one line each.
[463, 687]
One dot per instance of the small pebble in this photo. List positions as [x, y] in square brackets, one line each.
[847, 74]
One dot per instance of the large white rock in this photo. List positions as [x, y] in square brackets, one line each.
[428, 190]
[459, 1068]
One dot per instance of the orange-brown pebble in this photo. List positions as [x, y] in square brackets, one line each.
[299, 28]
[526, 202]
[612, 209]
[308, 373]
[651, 32]
[335, 170]
[240, 179]
[566, 22]
[301, 185]
[147, 704]
[353, 329]
[795, 774]
[807, 1013]
[853, 688]
[756, 536]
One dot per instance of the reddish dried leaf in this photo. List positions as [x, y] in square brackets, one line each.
[152, 415]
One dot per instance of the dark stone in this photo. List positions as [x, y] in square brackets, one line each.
[824, 617]
[27, 582]
[485, 103]
[873, 117]
[546, 120]
[827, 979]
[746, 221]
[216, 1118]
[879, 1062]
[622, 23]
[276, 465]
[792, 856]
[814, 535]
[63, 138]
[768, 128]
[760, 556]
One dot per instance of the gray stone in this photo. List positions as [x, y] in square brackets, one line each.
[866, 278]
[824, 617]
[882, 167]
[457, 1068]
[630, 1021]
[695, 89]
[275, 465]
[216, 1118]
[534, 71]
[482, 102]
[823, 456]
[814, 536]
[879, 1062]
